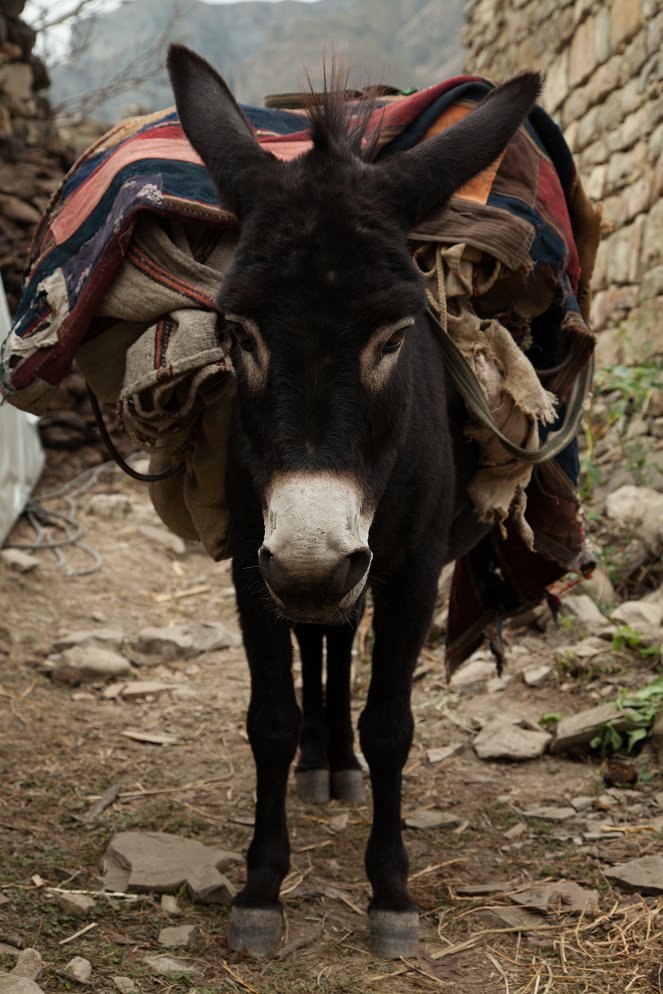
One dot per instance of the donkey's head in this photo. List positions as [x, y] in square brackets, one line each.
[322, 303]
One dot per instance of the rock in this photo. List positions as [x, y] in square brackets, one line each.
[502, 739]
[165, 965]
[582, 802]
[158, 861]
[478, 890]
[167, 540]
[104, 638]
[516, 831]
[208, 886]
[77, 905]
[139, 688]
[19, 561]
[563, 896]
[551, 813]
[643, 875]
[534, 676]
[28, 964]
[125, 985]
[169, 905]
[186, 640]
[177, 935]
[90, 664]
[478, 668]
[10, 984]
[641, 508]
[110, 507]
[517, 918]
[580, 729]
[441, 753]
[638, 613]
[431, 818]
[585, 611]
[599, 587]
[79, 968]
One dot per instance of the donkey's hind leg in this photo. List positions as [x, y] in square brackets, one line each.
[312, 771]
[346, 778]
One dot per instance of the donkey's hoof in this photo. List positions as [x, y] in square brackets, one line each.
[393, 933]
[258, 930]
[348, 786]
[312, 786]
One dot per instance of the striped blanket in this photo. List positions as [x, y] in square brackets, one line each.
[527, 212]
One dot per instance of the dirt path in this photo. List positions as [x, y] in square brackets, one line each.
[62, 746]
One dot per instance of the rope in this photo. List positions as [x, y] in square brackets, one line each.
[470, 389]
[56, 530]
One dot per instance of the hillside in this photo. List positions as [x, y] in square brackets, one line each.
[263, 47]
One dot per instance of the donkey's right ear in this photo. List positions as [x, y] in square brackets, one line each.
[217, 129]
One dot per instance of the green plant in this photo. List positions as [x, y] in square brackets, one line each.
[630, 638]
[550, 718]
[640, 708]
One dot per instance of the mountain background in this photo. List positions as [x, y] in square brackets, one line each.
[263, 47]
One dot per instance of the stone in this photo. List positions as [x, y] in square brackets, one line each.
[582, 802]
[125, 985]
[137, 689]
[502, 739]
[159, 862]
[551, 813]
[643, 875]
[166, 539]
[110, 507]
[579, 729]
[208, 886]
[79, 968]
[624, 21]
[520, 828]
[440, 753]
[10, 984]
[185, 641]
[104, 638]
[478, 890]
[89, 664]
[479, 668]
[169, 905]
[585, 610]
[599, 587]
[638, 613]
[28, 964]
[166, 965]
[177, 935]
[563, 896]
[16, 83]
[19, 561]
[77, 905]
[534, 676]
[431, 818]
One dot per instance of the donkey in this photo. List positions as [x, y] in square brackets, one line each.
[348, 465]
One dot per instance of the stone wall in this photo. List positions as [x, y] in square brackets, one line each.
[32, 160]
[603, 61]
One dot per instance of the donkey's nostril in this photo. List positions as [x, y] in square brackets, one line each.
[264, 558]
[359, 561]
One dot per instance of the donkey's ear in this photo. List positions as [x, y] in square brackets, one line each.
[217, 129]
[425, 177]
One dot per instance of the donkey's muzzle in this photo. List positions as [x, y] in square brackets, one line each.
[320, 590]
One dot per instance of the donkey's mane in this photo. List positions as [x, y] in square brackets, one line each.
[336, 123]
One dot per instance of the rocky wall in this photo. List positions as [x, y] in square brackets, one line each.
[603, 61]
[32, 160]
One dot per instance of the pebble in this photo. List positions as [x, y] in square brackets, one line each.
[208, 886]
[19, 561]
[77, 905]
[125, 985]
[89, 663]
[551, 813]
[643, 875]
[477, 669]
[440, 753]
[165, 965]
[177, 935]
[105, 638]
[516, 830]
[169, 905]
[582, 802]
[585, 610]
[534, 676]
[79, 968]
[432, 818]
[501, 739]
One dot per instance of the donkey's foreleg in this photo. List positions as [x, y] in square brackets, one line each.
[273, 729]
[346, 778]
[401, 620]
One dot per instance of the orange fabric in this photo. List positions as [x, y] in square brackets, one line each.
[479, 187]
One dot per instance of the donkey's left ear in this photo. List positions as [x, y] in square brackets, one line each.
[218, 130]
[425, 177]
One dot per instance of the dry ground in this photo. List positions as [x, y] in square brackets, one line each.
[61, 747]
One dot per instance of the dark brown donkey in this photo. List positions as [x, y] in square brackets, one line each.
[344, 469]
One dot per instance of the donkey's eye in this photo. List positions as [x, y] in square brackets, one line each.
[245, 341]
[393, 343]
